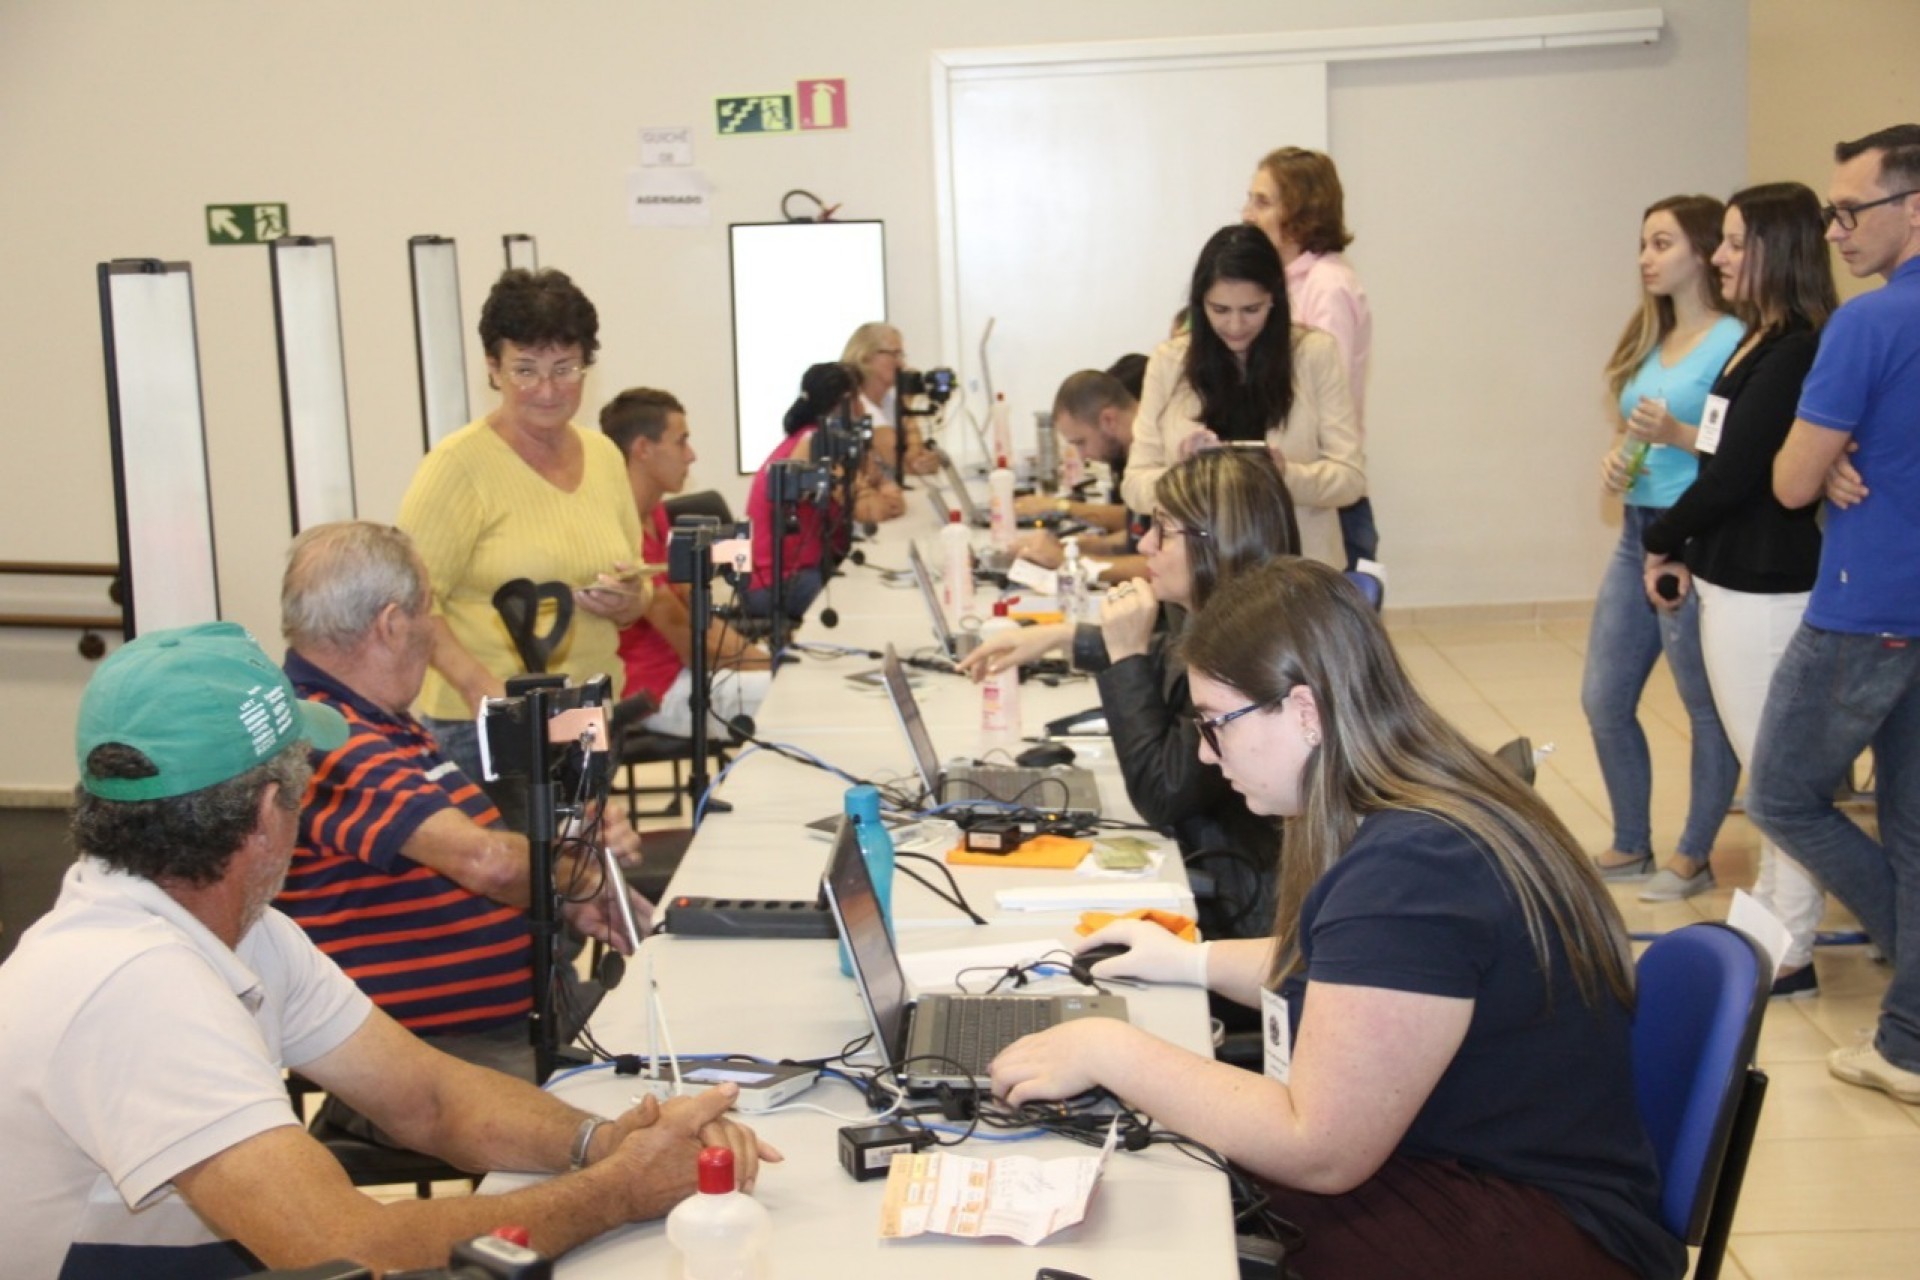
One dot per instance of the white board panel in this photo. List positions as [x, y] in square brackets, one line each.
[800, 289]
[159, 437]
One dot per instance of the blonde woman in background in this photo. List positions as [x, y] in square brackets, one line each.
[878, 353]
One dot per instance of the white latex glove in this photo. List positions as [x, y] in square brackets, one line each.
[1152, 955]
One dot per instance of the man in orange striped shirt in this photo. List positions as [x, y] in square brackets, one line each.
[404, 873]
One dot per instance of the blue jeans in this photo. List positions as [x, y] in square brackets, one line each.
[1834, 695]
[1358, 532]
[803, 586]
[1627, 638]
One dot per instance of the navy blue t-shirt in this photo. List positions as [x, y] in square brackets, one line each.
[1540, 1092]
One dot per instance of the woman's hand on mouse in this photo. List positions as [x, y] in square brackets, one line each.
[996, 653]
[1152, 954]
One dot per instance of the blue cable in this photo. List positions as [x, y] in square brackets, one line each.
[1025, 1135]
[700, 810]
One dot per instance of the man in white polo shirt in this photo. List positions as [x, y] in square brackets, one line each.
[145, 1022]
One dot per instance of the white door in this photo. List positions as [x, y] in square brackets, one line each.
[1079, 195]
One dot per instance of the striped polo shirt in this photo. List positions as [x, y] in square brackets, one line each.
[437, 957]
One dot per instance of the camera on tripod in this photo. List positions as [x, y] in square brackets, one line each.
[935, 384]
[576, 715]
[842, 441]
[698, 544]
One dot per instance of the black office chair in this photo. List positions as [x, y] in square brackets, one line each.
[1702, 993]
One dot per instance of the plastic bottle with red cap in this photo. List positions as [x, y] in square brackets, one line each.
[720, 1232]
[1000, 504]
[999, 691]
[956, 574]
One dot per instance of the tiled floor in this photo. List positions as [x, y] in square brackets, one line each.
[1836, 1167]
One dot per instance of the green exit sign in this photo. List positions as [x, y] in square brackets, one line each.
[754, 113]
[245, 223]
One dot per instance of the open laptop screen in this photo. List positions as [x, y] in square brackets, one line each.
[856, 909]
[924, 580]
[926, 760]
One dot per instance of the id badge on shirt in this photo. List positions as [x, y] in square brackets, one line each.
[1276, 1036]
[1712, 423]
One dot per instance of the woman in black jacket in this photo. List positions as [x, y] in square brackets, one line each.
[1752, 560]
[1216, 515]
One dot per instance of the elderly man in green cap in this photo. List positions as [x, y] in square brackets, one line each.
[145, 1022]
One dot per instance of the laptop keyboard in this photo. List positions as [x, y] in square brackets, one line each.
[977, 1029]
[1014, 784]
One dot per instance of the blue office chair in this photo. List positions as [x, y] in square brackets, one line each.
[1702, 992]
[1369, 586]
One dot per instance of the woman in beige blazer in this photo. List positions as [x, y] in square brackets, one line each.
[1244, 374]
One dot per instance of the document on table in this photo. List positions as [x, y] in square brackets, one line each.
[1026, 1199]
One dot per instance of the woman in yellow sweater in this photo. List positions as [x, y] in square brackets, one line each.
[524, 493]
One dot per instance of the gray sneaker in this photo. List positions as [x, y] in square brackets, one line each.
[1668, 887]
[1862, 1064]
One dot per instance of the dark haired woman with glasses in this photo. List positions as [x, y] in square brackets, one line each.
[1750, 560]
[524, 493]
[1447, 990]
[1244, 372]
[1216, 516]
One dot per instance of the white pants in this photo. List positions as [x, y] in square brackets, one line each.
[735, 693]
[1742, 636]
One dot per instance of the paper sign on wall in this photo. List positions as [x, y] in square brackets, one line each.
[665, 197]
[666, 146]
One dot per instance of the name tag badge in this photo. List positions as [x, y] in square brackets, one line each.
[1712, 423]
[1276, 1034]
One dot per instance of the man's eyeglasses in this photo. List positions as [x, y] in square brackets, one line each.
[1848, 215]
[1210, 726]
[526, 377]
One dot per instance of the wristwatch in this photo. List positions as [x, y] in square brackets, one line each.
[1063, 505]
[583, 1139]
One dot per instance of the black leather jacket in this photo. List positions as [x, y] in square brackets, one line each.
[1150, 715]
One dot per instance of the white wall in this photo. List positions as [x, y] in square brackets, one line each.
[1495, 199]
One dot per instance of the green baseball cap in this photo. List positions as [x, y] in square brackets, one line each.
[204, 703]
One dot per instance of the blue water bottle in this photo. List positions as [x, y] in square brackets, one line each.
[876, 850]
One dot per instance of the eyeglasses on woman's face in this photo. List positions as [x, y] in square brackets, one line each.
[1210, 726]
[526, 377]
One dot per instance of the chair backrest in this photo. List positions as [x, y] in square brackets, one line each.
[1702, 991]
[708, 502]
[1370, 586]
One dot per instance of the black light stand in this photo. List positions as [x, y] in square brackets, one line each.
[788, 483]
[690, 562]
[528, 711]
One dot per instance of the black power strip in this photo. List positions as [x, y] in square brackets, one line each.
[746, 918]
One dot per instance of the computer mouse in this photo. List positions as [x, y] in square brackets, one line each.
[1044, 755]
[1082, 966]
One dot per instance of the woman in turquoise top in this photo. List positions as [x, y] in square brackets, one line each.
[1660, 373]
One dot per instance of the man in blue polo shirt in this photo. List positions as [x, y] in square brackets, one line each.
[1850, 679]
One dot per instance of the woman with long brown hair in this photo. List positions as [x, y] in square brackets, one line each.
[1447, 989]
[1728, 540]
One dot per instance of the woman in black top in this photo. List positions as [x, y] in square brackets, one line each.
[1752, 560]
[1216, 516]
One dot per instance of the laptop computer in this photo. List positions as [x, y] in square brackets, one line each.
[1061, 788]
[980, 518]
[936, 1039]
[956, 645]
[988, 561]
